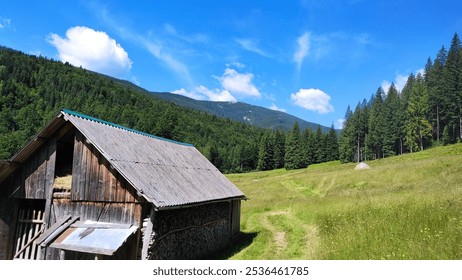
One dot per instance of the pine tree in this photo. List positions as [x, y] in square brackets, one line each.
[347, 142]
[332, 145]
[278, 149]
[265, 152]
[418, 128]
[376, 126]
[308, 146]
[294, 153]
[392, 125]
[452, 89]
[320, 146]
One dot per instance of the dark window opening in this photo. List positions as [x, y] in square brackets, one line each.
[64, 159]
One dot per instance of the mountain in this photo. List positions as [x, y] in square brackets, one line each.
[242, 112]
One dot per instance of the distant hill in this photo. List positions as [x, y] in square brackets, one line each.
[242, 112]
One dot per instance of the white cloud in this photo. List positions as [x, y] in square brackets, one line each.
[386, 86]
[239, 84]
[313, 100]
[203, 93]
[276, 108]
[339, 124]
[400, 81]
[303, 47]
[233, 84]
[4, 22]
[93, 50]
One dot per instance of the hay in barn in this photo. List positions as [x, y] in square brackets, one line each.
[63, 183]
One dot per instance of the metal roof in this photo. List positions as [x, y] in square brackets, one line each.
[167, 173]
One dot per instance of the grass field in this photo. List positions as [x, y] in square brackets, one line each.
[404, 207]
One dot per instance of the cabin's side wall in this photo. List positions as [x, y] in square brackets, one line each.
[191, 233]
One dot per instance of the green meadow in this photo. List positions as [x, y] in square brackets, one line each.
[404, 207]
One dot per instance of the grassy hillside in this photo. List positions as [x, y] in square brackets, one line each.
[405, 207]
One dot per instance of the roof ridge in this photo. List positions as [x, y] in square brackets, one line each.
[90, 118]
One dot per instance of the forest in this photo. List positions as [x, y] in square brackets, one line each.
[33, 89]
[427, 112]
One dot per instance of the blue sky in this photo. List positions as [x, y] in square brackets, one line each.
[309, 58]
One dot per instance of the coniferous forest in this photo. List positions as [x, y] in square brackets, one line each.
[426, 112]
[34, 89]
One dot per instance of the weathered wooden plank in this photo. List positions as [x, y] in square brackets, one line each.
[77, 166]
[41, 174]
[52, 228]
[49, 178]
[94, 170]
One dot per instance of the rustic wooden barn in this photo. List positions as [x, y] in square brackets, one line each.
[85, 188]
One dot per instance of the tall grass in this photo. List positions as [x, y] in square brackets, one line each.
[405, 207]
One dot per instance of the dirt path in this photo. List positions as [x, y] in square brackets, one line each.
[311, 238]
[278, 236]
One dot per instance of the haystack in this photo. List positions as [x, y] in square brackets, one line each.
[362, 166]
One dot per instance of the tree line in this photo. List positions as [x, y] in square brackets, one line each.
[34, 89]
[425, 113]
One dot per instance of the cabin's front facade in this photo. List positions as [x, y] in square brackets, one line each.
[86, 189]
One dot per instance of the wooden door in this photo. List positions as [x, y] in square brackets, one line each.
[29, 226]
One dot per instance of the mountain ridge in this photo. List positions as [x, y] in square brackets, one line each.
[242, 112]
[238, 111]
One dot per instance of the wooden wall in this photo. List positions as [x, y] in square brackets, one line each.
[7, 210]
[235, 217]
[191, 233]
[93, 179]
[36, 174]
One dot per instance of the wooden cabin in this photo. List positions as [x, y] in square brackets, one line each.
[85, 188]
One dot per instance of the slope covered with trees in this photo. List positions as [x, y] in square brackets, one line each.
[427, 112]
[34, 89]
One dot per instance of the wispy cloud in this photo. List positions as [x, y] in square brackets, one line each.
[4, 22]
[194, 38]
[155, 46]
[93, 50]
[313, 100]
[251, 46]
[302, 49]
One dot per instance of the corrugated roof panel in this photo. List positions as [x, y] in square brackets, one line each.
[167, 173]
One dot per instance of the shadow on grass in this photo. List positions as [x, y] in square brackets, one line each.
[239, 243]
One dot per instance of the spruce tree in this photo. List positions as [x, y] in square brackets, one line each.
[418, 128]
[452, 89]
[265, 152]
[391, 122]
[376, 125]
[278, 149]
[294, 153]
[332, 145]
[347, 142]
